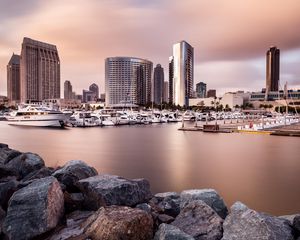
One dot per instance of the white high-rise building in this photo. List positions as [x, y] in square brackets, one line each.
[127, 81]
[182, 68]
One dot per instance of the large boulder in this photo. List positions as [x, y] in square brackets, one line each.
[34, 209]
[7, 154]
[119, 222]
[209, 196]
[169, 232]
[72, 172]
[106, 190]
[200, 221]
[245, 223]
[7, 189]
[26, 163]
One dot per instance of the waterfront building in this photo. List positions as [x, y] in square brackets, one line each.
[201, 90]
[127, 81]
[40, 71]
[272, 69]
[68, 90]
[95, 89]
[158, 84]
[166, 92]
[276, 95]
[171, 75]
[182, 68]
[13, 78]
[211, 93]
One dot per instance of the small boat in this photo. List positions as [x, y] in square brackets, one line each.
[37, 116]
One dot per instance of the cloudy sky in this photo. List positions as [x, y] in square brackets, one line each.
[230, 37]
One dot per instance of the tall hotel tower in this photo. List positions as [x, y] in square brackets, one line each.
[158, 84]
[40, 71]
[13, 78]
[272, 76]
[127, 81]
[181, 73]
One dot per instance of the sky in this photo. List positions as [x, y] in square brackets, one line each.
[230, 37]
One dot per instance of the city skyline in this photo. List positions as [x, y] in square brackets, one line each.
[220, 42]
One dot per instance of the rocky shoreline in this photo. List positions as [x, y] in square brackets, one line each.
[75, 202]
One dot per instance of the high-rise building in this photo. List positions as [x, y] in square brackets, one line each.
[127, 80]
[68, 90]
[158, 84]
[171, 75]
[211, 93]
[166, 92]
[201, 90]
[40, 71]
[13, 78]
[183, 73]
[272, 69]
[95, 89]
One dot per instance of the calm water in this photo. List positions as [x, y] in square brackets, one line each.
[260, 170]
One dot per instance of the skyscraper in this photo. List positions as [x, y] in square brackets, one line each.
[68, 90]
[272, 69]
[13, 78]
[127, 80]
[158, 84]
[201, 90]
[40, 71]
[183, 73]
[171, 75]
[95, 89]
[166, 92]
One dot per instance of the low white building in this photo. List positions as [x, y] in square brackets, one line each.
[232, 100]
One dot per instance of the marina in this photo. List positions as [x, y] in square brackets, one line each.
[174, 160]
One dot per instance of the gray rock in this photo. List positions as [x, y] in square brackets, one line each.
[26, 163]
[106, 190]
[209, 196]
[169, 232]
[73, 229]
[6, 191]
[40, 173]
[119, 222]
[35, 209]
[200, 221]
[72, 172]
[245, 223]
[6, 154]
[7, 172]
[166, 203]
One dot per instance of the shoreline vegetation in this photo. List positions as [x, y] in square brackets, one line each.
[75, 202]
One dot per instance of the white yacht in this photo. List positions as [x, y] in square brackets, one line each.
[84, 119]
[38, 116]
